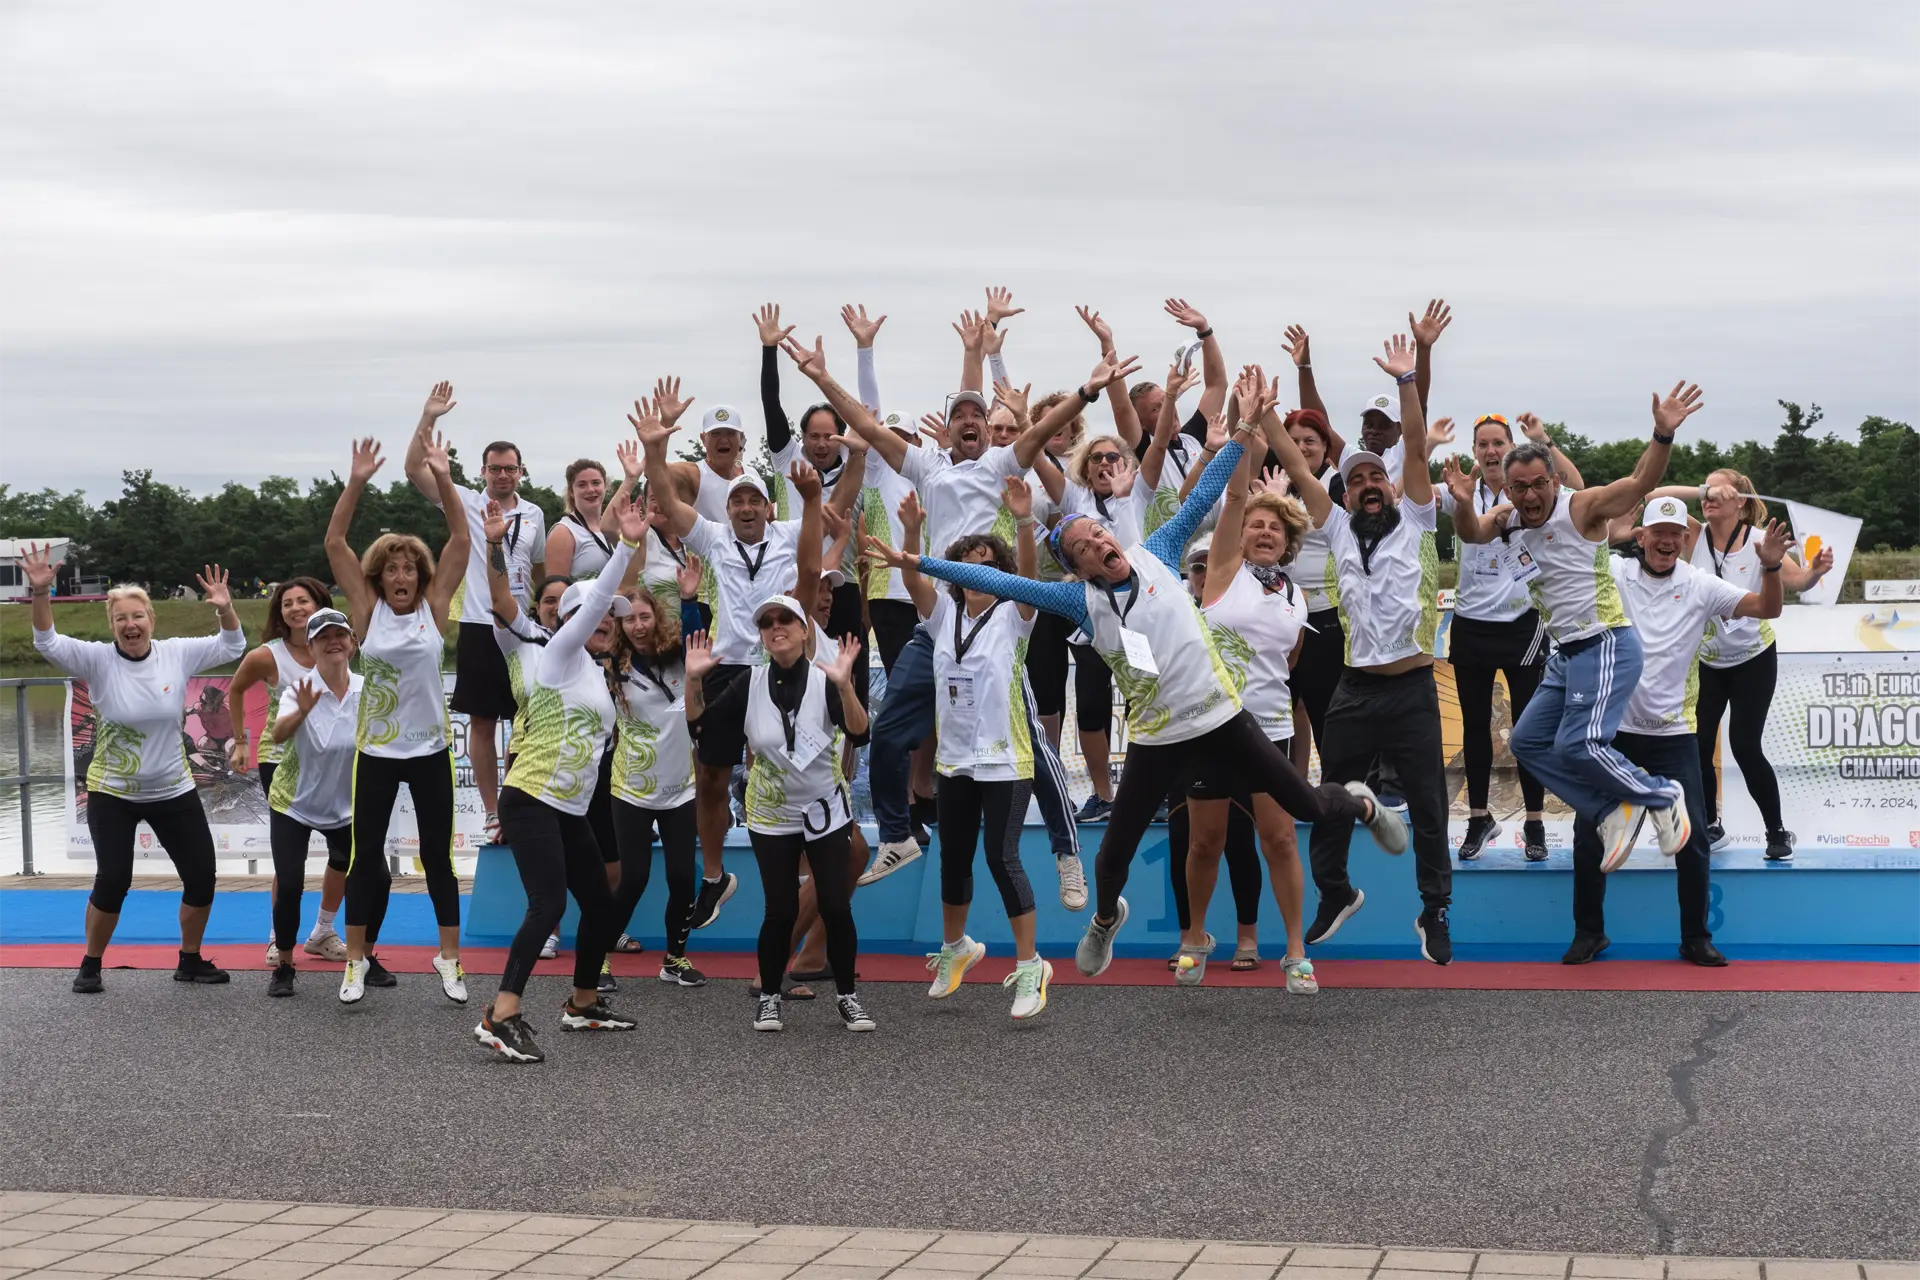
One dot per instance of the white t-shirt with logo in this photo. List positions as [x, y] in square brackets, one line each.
[1670, 613]
[313, 784]
[885, 490]
[980, 709]
[1487, 592]
[653, 759]
[1255, 631]
[525, 542]
[960, 498]
[1387, 598]
[744, 577]
[1732, 641]
[1126, 517]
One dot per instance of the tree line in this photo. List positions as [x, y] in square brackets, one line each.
[160, 534]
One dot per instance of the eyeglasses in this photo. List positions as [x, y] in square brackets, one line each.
[501, 471]
[775, 620]
[1105, 455]
[1485, 418]
[1543, 485]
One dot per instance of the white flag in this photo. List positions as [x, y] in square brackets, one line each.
[1819, 529]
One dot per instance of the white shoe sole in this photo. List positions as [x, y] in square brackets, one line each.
[1673, 827]
[499, 1046]
[320, 947]
[1615, 855]
[1715, 846]
[884, 865]
[1424, 953]
[574, 1022]
[1493, 833]
[352, 995]
[966, 963]
[1119, 919]
[729, 883]
[769, 1026]
[1046, 980]
[1359, 900]
[454, 988]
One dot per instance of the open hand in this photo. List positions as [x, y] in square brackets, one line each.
[688, 576]
[1439, 432]
[36, 561]
[1457, 482]
[1018, 498]
[840, 670]
[699, 655]
[1295, 345]
[366, 459]
[863, 329]
[878, 552]
[1101, 329]
[968, 327]
[439, 401]
[667, 402]
[647, 424]
[1186, 315]
[767, 320]
[1428, 328]
[306, 696]
[213, 586]
[936, 427]
[1000, 306]
[1773, 548]
[493, 522]
[1015, 401]
[811, 361]
[911, 517]
[1110, 370]
[1681, 403]
[439, 457]
[629, 455]
[1399, 358]
[633, 520]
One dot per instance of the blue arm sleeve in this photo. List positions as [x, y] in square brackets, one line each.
[1068, 599]
[690, 620]
[1170, 539]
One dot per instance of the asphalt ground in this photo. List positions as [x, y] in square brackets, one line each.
[1707, 1123]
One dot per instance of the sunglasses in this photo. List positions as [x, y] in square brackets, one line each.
[776, 620]
[1485, 418]
[1105, 456]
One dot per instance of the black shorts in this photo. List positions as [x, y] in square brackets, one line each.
[844, 619]
[893, 624]
[1519, 643]
[721, 746]
[481, 686]
[1047, 663]
[1199, 788]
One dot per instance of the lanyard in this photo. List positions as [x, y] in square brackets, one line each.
[961, 646]
[593, 533]
[679, 557]
[1720, 556]
[513, 531]
[1133, 596]
[753, 564]
[645, 668]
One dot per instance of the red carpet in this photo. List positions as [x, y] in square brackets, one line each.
[1603, 975]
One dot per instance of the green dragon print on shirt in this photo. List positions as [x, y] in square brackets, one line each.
[1236, 655]
[638, 756]
[379, 699]
[766, 791]
[116, 759]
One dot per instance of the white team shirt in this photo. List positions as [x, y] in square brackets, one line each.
[885, 490]
[1669, 613]
[1387, 602]
[287, 671]
[403, 707]
[139, 707]
[314, 783]
[1311, 561]
[979, 698]
[1194, 692]
[1732, 641]
[1487, 591]
[960, 498]
[653, 761]
[591, 548]
[1574, 591]
[744, 576]
[798, 791]
[1255, 631]
[524, 543]
[660, 575]
[710, 497]
[1125, 516]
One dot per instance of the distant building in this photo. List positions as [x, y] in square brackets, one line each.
[13, 579]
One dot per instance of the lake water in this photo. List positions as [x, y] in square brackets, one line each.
[45, 704]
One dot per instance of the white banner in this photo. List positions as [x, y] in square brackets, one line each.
[1820, 529]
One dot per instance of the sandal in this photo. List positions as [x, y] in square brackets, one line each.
[628, 946]
[797, 991]
[1196, 970]
[1246, 957]
[811, 975]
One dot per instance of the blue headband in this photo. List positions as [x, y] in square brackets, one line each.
[1057, 535]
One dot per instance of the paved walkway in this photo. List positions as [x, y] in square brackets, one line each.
[49, 1236]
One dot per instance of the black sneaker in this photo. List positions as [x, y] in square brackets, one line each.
[1394, 801]
[855, 1017]
[598, 1016]
[1716, 836]
[680, 972]
[378, 975]
[767, 1013]
[713, 896]
[281, 983]
[1480, 828]
[1436, 944]
[1332, 914]
[1585, 948]
[1534, 837]
[608, 983]
[511, 1038]
[1094, 810]
[87, 981]
[195, 967]
[1779, 846]
[1702, 952]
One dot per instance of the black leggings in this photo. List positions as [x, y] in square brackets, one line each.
[1237, 756]
[376, 789]
[1047, 663]
[633, 827]
[966, 806]
[1748, 690]
[893, 623]
[1092, 691]
[1323, 659]
[779, 859]
[266, 778]
[600, 809]
[289, 837]
[557, 855]
[179, 824]
[1242, 854]
[1474, 686]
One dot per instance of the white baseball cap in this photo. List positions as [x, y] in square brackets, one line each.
[722, 417]
[894, 422]
[1665, 511]
[746, 480]
[1383, 403]
[967, 397]
[835, 578]
[788, 603]
[576, 594]
[1354, 457]
[325, 619]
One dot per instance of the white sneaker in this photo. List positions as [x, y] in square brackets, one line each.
[950, 965]
[1671, 826]
[453, 978]
[1073, 884]
[1388, 828]
[353, 982]
[1095, 951]
[273, 955]
[889, 858]
[1029, 983]
[327, 945]
[1618, 831]
[551, 947]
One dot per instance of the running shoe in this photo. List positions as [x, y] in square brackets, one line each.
[714, 894]
[889, 858]
[87, 981]
[453, 978]
[490, 829]
[950, 964]
[767, 1014]
[598, 1016]
[1779, 846]
[1029, 981]
[629, 946]
[1190, 966]
[1618, 830]
[1073, 882]
[1585, 948]
[1386, 827]
[1702, 952]
[679, 971]
[1436, 943]
[378, 975]
[1534, 837]
[550, 949]
[273, 955]
[1332, 914]
[326, 944]
[1300, 979]
[1095, 951]
[853, 1016]
[281, 983]
[608, 983]
[1481, 830]
[353, 981]
[1094, 810]
[1671, 825]
[1716, 837]
[195, 967]
[511, 1038]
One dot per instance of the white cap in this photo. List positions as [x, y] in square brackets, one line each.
[1383, 403]
[1354, 457]
[788, 603]
[722, 417]
[575, 595]
[323, 619]
[894, 422]
[746, 480]
[967, 397]
[836, 578]
[1665, 511]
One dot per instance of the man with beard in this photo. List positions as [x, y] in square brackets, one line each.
[1671, 604]
[1556, 541]
[1382, 572]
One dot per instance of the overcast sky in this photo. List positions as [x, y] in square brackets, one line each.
[232, 236]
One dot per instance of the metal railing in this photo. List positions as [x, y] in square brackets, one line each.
[23, 780]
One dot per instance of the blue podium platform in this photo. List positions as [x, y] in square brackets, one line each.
[1828, 905]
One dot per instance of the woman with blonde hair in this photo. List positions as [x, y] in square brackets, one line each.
[398, 599]
[139, 771]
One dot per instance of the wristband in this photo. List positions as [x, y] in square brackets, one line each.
[1769, 568]
[1307, 365]
[1024, 522]
[1660, 439]
[625, 542]
[1246, 426]
[1405, 378]
[1088, 396]
[1204, 334]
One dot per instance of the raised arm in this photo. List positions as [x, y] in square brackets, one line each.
[493, 524]
[1426, 331]
[1299, 347]
[628, 451]
[973, 351]
[812, 361]
[1125, 420]
[912, 521]
[853, 475]
[993, 338]
[864, 331]
[1772, 553]
[341, 560]
[1170, 539]
[451, 569]
[1019, 504]
[1533, 429]
[1416, 482]
[1213, 365]
[779, 430]
[1305, 484]
[654, 433]
[439, 401]
[1592, 509]
[203, 653]
[807, 554]
[1034, 436]
[1223, 560]
[668, 407]
[585, 620]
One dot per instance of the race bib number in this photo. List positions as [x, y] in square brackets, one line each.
[960, 696]
[1520, 564]
[808, 743]
[1139, 652]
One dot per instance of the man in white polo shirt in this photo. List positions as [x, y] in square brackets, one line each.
[1670, 604]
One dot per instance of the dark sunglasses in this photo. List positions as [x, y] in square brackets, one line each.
[775, 620]
[1105, 455]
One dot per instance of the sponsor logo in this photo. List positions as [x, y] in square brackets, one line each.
[721, 415]
[146, 839]
[1854, 841]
